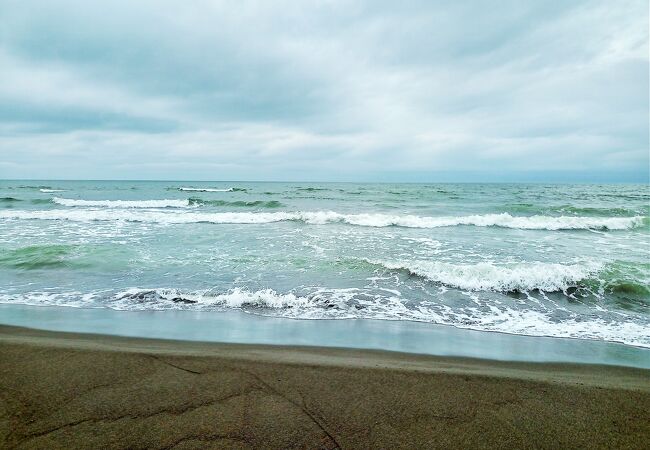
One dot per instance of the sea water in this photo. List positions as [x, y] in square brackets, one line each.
[529, 259]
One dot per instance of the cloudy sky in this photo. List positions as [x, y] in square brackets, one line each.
[325, 90]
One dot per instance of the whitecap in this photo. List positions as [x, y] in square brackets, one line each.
[327, 217]
[352, 303]
[191, 189]
[521, 277]
[166, 203]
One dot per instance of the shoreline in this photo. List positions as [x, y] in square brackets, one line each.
[84, 391]
[401, 336]
[360, 358]
[235, 310]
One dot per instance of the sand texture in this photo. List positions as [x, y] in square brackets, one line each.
[63, 390]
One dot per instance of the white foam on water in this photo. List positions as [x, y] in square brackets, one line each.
[326, 217]
[235, 298]
[352, 303]
[71, 299]
[49, 191]
[485, 276]
[504, 220]
[166, 203]
[191, 189]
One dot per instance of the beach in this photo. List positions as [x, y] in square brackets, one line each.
[323, 315]
[68, 390]
[324, 225]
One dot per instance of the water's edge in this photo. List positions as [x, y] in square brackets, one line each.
[406, 337]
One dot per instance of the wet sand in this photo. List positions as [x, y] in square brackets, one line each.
[66, 390]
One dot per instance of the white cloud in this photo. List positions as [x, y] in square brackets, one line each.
[272, 89]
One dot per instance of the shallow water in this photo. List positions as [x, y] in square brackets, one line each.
[530, 259]
[235, 326]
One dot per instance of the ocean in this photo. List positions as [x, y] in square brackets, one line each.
[527, 259]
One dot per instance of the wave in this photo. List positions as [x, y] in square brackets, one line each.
[122, 203]
[627, 282]
[577, 210]
[32, 187]
[237, 204]
[235, 298]
[192, 189]
[353, 303]
[324, 217]
[311, 189]
[9, 200]
[166, 203]
[49, 191]
[37, 257]
[522, 277]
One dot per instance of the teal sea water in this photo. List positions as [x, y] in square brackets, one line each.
[529, 259]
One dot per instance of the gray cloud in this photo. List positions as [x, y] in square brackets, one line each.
[325, 90]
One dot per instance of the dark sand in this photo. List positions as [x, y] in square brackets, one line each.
[63, 390]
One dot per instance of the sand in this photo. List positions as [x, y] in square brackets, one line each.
[65, 390]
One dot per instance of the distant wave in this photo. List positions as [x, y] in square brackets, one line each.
[521, 277]
[9, 200]
[204, 189]
[576, 210]
[122, 203]
[165, 203]
[192, 189]
[324, 217]
[41, 188]
[312, 189]
[236, 203]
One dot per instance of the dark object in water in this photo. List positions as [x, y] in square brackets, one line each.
[183, 300]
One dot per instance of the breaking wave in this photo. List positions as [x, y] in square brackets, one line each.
[522, 277]
[237, 204]
[352, 303]
[165, 203]
[235, 298]
[324, 217]
[122, 203]
[193, 189]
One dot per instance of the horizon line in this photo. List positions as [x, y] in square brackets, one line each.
[320, 181]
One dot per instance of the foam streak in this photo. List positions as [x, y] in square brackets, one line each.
[322, 218]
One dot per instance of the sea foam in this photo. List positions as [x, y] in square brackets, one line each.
[191, 189]
[122, 203]
[485, 276]
[235, 298]
[326, 217]
[323, 303]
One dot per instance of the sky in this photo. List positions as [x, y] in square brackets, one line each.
[325, 90]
